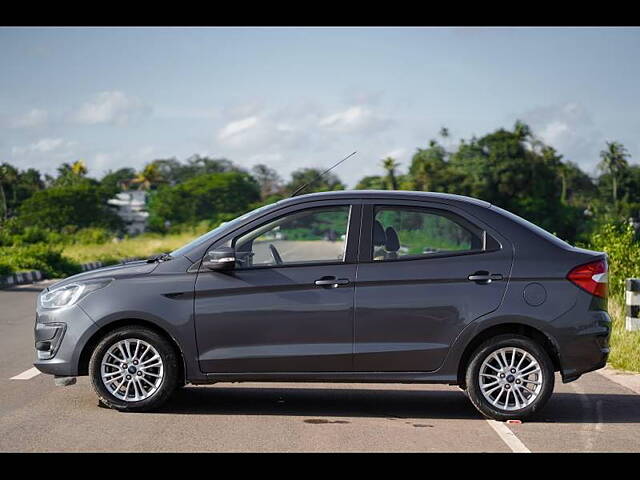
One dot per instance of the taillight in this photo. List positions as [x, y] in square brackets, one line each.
[591, 277]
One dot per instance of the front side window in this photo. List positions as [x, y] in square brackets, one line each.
[405, 232]
[307, 236]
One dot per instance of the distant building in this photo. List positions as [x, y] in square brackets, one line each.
[132, 209]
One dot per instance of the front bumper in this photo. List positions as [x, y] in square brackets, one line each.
[60, 335]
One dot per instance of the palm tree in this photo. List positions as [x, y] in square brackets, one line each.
[79, 168]
[444, 132]
[614, 162]
[3, 197]
[8, 176]
[148, 177]
[563, 171]
[424, 176]
[390, 165]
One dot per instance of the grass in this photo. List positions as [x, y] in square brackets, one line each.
[625, 346]
[140, 246]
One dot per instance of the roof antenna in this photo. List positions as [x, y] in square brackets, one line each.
[302, 187]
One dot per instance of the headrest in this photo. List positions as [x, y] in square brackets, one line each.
[379, 238]
[393, 242]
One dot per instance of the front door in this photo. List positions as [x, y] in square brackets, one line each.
[288, 305]
[425, 273]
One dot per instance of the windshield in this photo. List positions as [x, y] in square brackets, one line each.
[210, 235]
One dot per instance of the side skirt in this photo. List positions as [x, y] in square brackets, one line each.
[331, 377]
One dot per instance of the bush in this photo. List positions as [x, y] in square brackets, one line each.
[5, 269]
[92, 235]
[38, 257]
[618, 240]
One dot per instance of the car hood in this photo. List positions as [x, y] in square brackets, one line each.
[129, 269]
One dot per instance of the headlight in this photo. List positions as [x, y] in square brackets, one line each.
[69, 294]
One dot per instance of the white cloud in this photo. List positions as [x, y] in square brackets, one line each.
[304, 134]
[554, 132]
[235, 128]
[357, 118]
[111, 107]
[33, 118]
[570, 129]
[396, 153]
[44, 145]
[102, 161]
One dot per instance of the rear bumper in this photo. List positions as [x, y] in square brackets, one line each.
[588, 349]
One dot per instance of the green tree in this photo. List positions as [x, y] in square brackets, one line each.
[72, 174]
[205, 197]
[268, 179]
[511, 169]
[15, 187]
[115, 181]
[428, 168]
[372, 182]
[76, 206]
[328, 182]
[172, 171]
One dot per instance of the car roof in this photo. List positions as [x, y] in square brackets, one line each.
[395, 194]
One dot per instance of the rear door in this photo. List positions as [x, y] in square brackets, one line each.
[426, 270]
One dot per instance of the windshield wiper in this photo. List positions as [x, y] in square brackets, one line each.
[161, 257]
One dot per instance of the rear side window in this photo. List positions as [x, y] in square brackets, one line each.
[402, 232]
[532, 226]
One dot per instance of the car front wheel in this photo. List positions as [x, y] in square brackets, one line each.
[134, 369]
[509, 377]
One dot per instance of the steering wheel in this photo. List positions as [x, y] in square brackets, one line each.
[275, 254]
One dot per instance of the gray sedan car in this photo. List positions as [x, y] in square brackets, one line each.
[349, 286]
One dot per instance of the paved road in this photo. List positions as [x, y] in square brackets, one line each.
[592, 414]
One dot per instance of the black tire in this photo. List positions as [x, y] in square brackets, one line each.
[168, 384]
[472, 377]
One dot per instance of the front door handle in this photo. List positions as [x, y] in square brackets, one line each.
[483, 277]
[331, 282]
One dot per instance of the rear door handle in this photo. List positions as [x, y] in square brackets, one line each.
[332, 282]
[484, 277]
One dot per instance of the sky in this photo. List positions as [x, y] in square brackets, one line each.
[307, 97]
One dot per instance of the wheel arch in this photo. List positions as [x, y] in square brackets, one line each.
[509, 327]
[90, 345]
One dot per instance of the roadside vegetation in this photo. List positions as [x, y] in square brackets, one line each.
[141, 246]
[623, 250]
[55, 222]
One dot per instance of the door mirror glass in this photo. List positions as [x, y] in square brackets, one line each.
[220, 258]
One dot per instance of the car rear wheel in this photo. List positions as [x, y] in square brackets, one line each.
[509, 377]
[134, 369]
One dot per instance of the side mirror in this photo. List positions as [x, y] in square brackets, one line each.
[221, 258]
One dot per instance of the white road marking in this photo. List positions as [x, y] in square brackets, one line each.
[586, 428]
[508, 437]
[27, 374]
